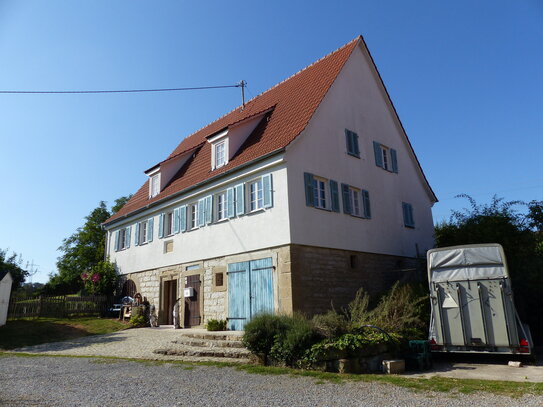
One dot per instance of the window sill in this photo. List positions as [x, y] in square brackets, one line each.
[409, 226]
[354, 155]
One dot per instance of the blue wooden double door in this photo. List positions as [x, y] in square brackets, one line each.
[250, 291]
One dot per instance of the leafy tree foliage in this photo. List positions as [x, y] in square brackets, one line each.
[14, 264]
[520, 234]
[83, 255]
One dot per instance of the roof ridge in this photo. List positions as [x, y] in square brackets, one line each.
[307, 67]
[274, 86]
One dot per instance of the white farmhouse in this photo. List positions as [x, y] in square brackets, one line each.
[290, 203]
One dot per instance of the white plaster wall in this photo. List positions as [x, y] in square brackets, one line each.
[357, 102]
[5, 291]
[258, 230]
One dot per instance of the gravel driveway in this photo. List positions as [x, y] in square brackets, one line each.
[49, 381]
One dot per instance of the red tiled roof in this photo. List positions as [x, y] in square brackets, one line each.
[293, 103]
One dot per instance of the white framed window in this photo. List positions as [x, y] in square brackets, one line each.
[385, 154]
[220, 209]
[122, 240]
[320, 193]
[155, 185]
[168, 224]
[355, 199]
[193, 216]
[256, 197]
[220, 153]
[143, 232]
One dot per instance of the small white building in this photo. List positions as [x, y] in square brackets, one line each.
[5, 291]
[289, 203]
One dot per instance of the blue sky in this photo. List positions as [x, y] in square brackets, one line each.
[466, 78]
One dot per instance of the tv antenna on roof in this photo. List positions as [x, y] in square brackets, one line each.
[242, 85]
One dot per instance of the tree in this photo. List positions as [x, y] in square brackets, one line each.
[83, 252]
[14, 264]
[520, 234]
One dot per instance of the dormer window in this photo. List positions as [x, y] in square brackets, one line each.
[155, 185]
[220, 153]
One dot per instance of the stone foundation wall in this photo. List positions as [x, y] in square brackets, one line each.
[324, 278]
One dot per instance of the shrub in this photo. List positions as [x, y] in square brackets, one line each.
[358, 309]
[403, 311]
[261, 331]
[365, 342]
[137, 321]
[331, 325]
[291, 344]
[216, 325]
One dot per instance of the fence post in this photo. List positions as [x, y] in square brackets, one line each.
[40, 303]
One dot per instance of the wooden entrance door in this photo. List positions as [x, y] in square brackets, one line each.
[170, 296]
[250, 291]
[192, 304]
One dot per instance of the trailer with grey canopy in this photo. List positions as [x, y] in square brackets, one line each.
[472, 302]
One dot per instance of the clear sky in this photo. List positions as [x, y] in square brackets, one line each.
[465, 76]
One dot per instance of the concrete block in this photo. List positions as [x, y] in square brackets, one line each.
[396, 366]
[514, 363]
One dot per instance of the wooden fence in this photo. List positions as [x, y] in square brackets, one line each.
[58, 307]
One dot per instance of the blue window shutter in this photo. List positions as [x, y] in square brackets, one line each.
[355, 144]
[150, 224]
[407, 214]
[378, 154]
[183, 218]
[366, 204]
[176, 220]
[117, 241]
[411, 219]
[394, 159]
[201, 212]
[346, 199]
[334, 193]
[309, 189]
[240, 199]
[161, 225]
[349, 141]
[137, 235]
[209, 208]
[267, 188]
[230, 203]
[127, 236]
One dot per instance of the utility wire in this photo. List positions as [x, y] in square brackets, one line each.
[116, 91]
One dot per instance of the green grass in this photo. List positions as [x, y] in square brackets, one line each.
[435, 384]
[34, 331]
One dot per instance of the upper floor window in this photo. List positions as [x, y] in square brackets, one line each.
[220, 153]
[319, 192]
[352, 143]
[221, 206]
[356, 201]
[408, 219]
[168, 225]
[385, 157]
[122, 238]
[155, 185]
[144, 232]
[193, 216]
[256, 195]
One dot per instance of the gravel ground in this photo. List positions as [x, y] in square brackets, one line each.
[50, 381]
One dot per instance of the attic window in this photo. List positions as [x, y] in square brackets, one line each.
[155, 185]
[219, 153]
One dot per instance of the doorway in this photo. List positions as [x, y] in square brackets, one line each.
[192, 303]
[170, 296]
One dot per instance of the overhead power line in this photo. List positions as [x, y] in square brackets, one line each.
[238, 85]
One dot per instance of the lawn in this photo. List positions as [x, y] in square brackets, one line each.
[33, 331]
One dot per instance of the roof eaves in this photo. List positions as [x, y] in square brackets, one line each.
[192, 187]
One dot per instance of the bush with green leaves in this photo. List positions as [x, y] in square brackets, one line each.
[261, 331]
[291, 344]
[137, 321]
[331, 325]
[216, 325]
[362, 342]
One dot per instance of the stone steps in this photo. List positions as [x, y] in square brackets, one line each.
[209, 346]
